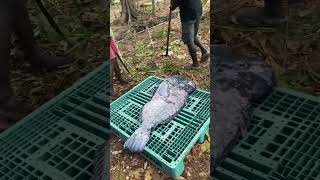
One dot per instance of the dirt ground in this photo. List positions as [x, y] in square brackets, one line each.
[291, 49]
[143, 54]
[88, 49]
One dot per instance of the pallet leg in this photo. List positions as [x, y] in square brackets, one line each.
[202, 137]
[178, 170]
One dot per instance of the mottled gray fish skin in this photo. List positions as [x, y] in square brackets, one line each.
[166, 103]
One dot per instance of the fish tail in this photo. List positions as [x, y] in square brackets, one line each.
[138, 140]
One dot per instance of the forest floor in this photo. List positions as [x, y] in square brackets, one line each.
[83, 26]
[291, 49]
[144, 55]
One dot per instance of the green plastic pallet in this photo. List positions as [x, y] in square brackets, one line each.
[58, 141]
[283, 141]
[170, 143]
[101, 163]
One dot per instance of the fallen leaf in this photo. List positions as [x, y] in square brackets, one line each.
[116, 152]
[203, 174]
[234, 20]
[155, 173]
[181, 56]
[145, 165]
[169, 53]
[122, 175]
[181, 178]
[147, 175]
[205, 147]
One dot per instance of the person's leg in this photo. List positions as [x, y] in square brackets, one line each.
[188, 39]
[23, 29]
[118, 74]
[5, 89]
[192, 48]
[205, 55]
[111, 79]
[10, 109]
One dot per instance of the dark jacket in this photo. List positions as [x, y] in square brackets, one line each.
[190, 9]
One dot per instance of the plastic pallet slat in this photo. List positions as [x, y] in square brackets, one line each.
[58, 141]
[283, 135]
[101, 168]
[170, 143]
[69, 155]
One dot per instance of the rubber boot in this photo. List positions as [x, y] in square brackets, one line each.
[274, 13]
[112, 94]
[193, 53]
[23, 29]
[205, 55]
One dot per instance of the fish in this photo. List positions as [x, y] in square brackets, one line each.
[239, 81]
[167, 101]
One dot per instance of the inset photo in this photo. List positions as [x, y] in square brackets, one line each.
[265, 106]
[53, 90]
[160, 78]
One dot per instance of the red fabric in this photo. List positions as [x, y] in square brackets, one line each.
[113, 49]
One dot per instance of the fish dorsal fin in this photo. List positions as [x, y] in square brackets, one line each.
[163, 90]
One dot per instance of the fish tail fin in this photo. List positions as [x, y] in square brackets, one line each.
[138, 140]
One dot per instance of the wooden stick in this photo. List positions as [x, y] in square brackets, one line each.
[168, 35]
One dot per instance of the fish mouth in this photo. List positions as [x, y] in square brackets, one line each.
[191, 87]
[182, 83]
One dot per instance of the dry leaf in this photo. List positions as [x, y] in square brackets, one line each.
[116, 152]
[205, 147]
[147, 175]
[122, 175]
[145, 165]
[234, 20]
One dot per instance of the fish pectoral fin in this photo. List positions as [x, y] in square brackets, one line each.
[163, 90]
[154, 90]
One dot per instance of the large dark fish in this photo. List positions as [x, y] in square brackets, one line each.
[166, 103]
[238, 82]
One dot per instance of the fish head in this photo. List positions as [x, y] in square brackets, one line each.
[190, 87]
[182, 84]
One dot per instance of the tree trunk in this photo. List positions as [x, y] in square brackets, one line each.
[129, 10]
